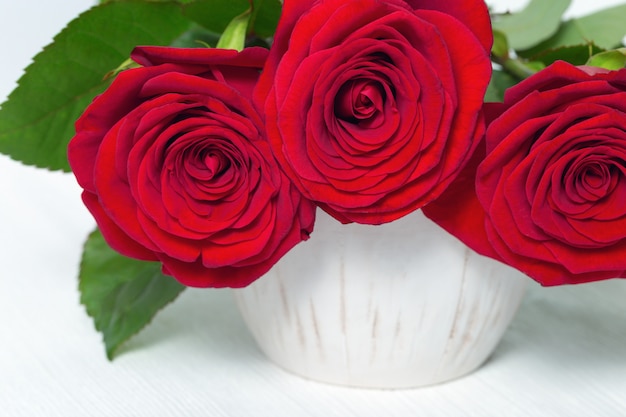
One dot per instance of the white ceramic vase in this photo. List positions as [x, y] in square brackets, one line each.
[399, 305]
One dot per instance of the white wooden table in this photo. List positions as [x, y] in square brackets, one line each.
[563, 356]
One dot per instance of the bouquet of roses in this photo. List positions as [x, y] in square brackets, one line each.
[206, 133]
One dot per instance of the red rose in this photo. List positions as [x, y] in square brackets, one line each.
[372, 107]
[550, 194]
[176, 168]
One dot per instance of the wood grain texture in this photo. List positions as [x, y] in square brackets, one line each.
[399, 305]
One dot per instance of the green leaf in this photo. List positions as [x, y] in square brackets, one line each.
[234, 36]
[605, 29]
[611, 60]
[538, 21]
[197, 36]
[37, 121]
[121, 294]
[575, 55]
[499, 83]
[215, 15]
[265, 17]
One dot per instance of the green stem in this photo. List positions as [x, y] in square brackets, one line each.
[515, 67]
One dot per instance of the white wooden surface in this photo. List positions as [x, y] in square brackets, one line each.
[564, 354]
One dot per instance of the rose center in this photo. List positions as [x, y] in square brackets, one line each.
[594, 180]
[204, 165]
[215, 164]
[594, 177]
[361, 102]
